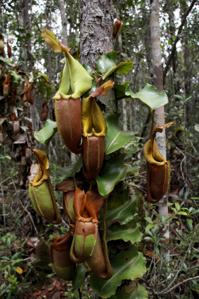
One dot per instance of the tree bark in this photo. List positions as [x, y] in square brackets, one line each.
[96, 37]
[187, 65]
[63, 21]
[159, 115]
[174, 82]
[25, 23]
[96, 29]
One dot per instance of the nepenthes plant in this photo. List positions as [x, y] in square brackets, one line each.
[104, 226]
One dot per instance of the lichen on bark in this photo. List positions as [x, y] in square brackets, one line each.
[96, 29]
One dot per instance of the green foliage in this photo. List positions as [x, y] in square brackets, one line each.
[10, 267]
[131, 292]
[182, 221]
[127, 233]
[115, 138]
[121, 89]
[121, 208]
[129, 264]
[79, 277]
[106, 65]
[73, 168]
[16, 77]
[112, 173]
[47, 132]
[150, 96]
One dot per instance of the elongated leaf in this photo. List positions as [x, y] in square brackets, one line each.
[122, 68]
[112, 173]
[51, 39]
[107, 65]
[127, 292]
[47, 132]
[128, 264]
[104, 64]
[71, 170]
[79, 276]
[115, 138]
[123, 213]
[125, 233]
[150, 96]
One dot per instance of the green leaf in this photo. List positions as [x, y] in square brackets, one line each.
[121, 208]
[47, 132]
[7, 61]
[120, 90]
[183, 213]
[122, 214]
[150, 96]
[104, 64]
[115, 138]
[177, 206]
[80, 276]
[122, 68]
[42, 76]
[125, 233]
[17, 78]
[128, 264]
[112, 173]
[130, 292]
[71, 170]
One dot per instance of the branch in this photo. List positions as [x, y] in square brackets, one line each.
[178, 284]
[173, 49]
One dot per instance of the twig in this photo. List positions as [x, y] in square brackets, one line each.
[166, 290]
[29, 215]
[24, 207]
[173, 49]
[178, 284]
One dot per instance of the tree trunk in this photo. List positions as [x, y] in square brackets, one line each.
[174, 82]
[63, 21]
[96, 37]
[187, 66]
[159, 115]
[24, 19]
[189, 106]
[96, 29]
[25, 23]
